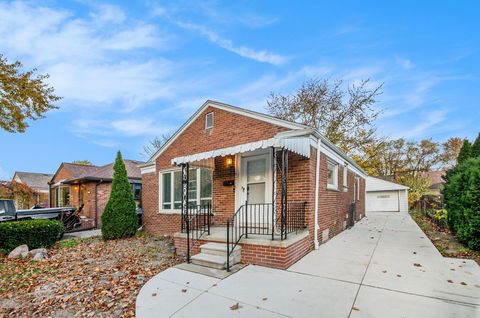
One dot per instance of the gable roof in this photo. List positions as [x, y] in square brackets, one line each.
[34, 180]
[375, 184]
[106, 172]
[255, 115]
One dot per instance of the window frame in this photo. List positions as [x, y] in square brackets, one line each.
[172, 173]
[206, 120]
[345, 177]
[334, 185]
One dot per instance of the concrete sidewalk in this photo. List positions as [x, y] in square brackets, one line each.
[384, 267]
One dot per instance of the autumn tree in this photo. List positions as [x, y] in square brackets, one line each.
[119, 218]
[154, 144]
[345, 116]
[23, 96]
[450, 151]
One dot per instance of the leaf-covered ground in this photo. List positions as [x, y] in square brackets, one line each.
[83, 278]
[445, 242]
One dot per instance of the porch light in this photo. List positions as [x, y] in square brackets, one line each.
[229, 162]
[75, 187]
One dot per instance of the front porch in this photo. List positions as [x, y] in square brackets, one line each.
[250, 209]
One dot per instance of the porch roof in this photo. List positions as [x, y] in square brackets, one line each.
[298, 145]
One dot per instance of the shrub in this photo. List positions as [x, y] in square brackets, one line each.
[34, 233]
[119, 218]
[462, 201]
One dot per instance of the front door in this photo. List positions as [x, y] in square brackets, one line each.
[256, 188]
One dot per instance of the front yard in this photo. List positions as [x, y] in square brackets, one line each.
[83, 277]
[443, 239]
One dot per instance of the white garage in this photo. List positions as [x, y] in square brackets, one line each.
[385, 196]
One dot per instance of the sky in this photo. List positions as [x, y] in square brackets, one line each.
[132, 70]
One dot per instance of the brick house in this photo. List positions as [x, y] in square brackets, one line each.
[232, 184]
[89, 186]
[38, 182]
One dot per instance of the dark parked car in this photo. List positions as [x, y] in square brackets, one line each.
[67, 215]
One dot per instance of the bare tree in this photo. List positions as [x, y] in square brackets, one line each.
[154, 144]
[345, 117]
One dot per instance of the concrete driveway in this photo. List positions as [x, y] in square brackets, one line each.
[384, 267]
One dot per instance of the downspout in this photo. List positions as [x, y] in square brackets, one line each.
[96, 202]
[317, 190]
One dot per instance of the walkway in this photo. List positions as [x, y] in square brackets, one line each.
[384, 267]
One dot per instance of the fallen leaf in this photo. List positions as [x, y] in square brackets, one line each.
[450, 281]
[355, 308]
[264, 298]
[184, 290]
[154, 294]
[384, 272]
[417, 265]
[398, 275]
[414, 252]
[463, 283]
[235, 306]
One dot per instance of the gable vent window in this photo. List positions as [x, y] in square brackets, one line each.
[209, 121]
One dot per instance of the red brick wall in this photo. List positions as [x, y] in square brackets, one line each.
[276, 257]
[223, 197]
[334, 205]
[229, 130]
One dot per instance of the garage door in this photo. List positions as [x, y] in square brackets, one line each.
[382, 201]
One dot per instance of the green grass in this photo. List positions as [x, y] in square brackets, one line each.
[68, 243]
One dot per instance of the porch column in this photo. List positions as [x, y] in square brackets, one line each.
[274, 189]
[283, 233]
[185, 170]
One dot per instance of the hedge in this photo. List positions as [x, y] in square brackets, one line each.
[462, 201]
[34, 233]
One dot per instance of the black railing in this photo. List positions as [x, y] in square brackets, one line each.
[259, 219]
[294, 219]
[196, 222]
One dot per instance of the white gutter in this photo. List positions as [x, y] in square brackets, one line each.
[317, 190]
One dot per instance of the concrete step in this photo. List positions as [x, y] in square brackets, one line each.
[214, 261]
[220, 249]
[208, 260]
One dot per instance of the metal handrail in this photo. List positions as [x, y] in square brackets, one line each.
[197, 223]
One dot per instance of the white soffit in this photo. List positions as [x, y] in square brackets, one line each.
[299, 146]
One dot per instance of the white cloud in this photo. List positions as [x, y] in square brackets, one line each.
[137, 127]
[263, 56]
[91, 60]
[424, 127]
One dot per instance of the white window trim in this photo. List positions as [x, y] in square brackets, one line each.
[334, 185]
[358, 188]
[345, 177]
[206, 120]
[172, 194]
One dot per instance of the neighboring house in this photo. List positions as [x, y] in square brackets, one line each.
[89, 186]
[280, 183]
[38, 182]
[436, 181]
[385, 196]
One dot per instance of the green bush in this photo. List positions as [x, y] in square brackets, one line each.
[119, 218]
[34, 233]
[462, 201]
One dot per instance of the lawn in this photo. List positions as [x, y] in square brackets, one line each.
[443, 239]
[87, 278]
